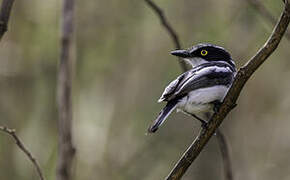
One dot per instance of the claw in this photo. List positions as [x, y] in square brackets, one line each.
[204, 125]
[234, 105]
[217, 104]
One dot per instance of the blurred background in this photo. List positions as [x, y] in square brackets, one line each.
[122, 66]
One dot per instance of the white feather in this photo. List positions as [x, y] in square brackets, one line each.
[198, 100]
[195, 61]
[203, 72]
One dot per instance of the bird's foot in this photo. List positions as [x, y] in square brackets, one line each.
[204, 124]
[216, 105]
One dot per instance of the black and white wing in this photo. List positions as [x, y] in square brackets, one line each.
[200, 77]
[170, 89]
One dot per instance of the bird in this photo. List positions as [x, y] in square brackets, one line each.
[199, 91]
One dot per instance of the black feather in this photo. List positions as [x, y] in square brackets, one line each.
[198, 78]
[170, 106]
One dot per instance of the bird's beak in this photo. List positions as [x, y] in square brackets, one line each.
[180, 53]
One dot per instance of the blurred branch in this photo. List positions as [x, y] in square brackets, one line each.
[225, 151]
[11, 132]
[168, 28]
[66, 148]
[229, 103]
[259, 6]
[221, 140]
[224, 147]
[6, 7]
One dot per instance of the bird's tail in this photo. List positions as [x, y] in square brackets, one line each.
[164, 113]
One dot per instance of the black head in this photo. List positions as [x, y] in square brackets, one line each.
[204, 52]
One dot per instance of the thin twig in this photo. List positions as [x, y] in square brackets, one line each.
[169, 29]
[6, 7]
[66, 148]
[230, 100]
[21, 146]
[224, 147]
[261, 8]
[5, 11]
[226, 156]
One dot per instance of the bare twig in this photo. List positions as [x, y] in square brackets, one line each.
[225, 151]
[6, 7]
[169, 29]
[66, 148]
[21, 146]
[224, 147]
[259, 6]
[230, 100]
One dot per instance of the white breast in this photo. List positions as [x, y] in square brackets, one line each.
[198, 100]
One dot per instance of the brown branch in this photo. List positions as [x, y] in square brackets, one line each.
[259, 6]
[230, 100]
[11, 132]
[6, 7]
[224, 147]
[168, 28]
[225, 151]
[66, 148]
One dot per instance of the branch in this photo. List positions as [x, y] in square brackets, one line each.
[266, 14]
[11, 132]
[224, 147]
[168, 28]
[66, 148]
[241, 78]
[6, 7]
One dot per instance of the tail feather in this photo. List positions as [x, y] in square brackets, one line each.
[164, 113]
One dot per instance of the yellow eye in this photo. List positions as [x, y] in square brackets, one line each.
[203, 52]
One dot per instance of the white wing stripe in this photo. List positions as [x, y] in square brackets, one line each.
[203, 72]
